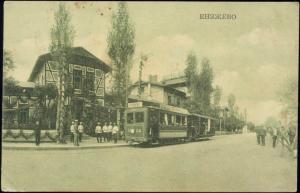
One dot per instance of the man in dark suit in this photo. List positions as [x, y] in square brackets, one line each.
[263, 135]
[258, 134]
[37, 132]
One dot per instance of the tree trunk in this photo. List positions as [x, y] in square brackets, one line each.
[58, 108]
[61, 105]
[126, 86]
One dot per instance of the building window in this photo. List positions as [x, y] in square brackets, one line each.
[77, 79]
[90, 80]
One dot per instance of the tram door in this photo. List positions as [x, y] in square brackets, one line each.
[153, 123]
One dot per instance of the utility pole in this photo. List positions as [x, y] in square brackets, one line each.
[143, 59]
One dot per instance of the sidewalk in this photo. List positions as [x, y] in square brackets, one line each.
[90, 143]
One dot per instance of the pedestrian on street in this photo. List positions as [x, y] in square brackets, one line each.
[76, 134]
[291, 134]
[263, 135]
[281, 134]
[72, 132]
[258, 135]
[80, 131]
[105, 132]
[37, 133]
[109, 128]
[98, 132]
[274, 136]
[115, 131]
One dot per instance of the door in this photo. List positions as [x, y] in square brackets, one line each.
[153, 123]
[78, 110]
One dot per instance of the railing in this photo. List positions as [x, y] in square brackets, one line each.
[28, 135]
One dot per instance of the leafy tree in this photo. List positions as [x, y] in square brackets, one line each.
[251, 126]
[217, 95]
[191, 73]
[271, 122]
[288, 96]
[231, 103]
[121, 47]
[204, 86]
[8, 65]
[62, 36]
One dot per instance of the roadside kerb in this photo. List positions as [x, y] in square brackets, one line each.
[38, 148]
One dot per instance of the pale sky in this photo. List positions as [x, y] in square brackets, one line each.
[250, 55]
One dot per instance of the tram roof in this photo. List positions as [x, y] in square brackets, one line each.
[203, 116]
[166, 108]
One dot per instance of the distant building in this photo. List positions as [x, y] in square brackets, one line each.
[153, 91]
[177, 81]
[17, 106]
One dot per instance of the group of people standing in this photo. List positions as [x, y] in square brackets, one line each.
[107, 132]
[76, 132]
[275, 132]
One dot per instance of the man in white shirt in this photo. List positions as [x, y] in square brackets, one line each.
[109, 128]
[80, 130]
[105, 132]
[115, 131]
[98, 132]
[72, 131]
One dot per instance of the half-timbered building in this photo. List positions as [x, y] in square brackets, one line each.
[86, 78]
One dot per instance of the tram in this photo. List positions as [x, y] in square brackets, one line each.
[165, 124]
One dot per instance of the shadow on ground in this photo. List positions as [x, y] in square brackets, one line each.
[155, 145]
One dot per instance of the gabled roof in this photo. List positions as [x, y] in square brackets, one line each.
[76, 55]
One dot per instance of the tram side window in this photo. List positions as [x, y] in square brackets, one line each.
[129, 117]
[183, 120]
[139, 117]
[178, 120]
[170, 120]
[162, 119]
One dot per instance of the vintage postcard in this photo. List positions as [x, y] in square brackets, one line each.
[150, 96]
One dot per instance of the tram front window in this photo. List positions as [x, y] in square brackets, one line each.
[129, 117]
